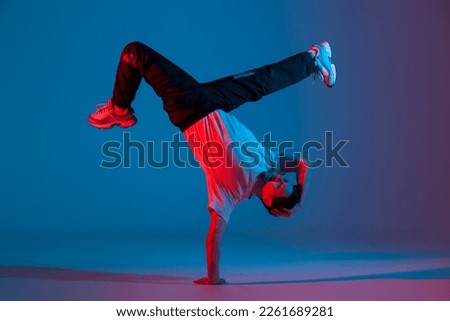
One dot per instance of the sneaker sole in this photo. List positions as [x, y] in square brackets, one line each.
[126, 124]
[327, 47]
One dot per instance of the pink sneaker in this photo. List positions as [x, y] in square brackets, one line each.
[105, 117]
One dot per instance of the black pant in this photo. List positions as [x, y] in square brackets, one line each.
[185, 99]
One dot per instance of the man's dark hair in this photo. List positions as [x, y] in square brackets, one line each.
[286, 202]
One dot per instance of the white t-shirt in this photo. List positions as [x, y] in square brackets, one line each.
[230, 157]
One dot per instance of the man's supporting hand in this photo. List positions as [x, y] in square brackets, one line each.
[213, 242]
[208, 281]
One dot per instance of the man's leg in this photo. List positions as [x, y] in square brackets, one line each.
[252, 85]
[231, 92]
[139, 61]
[185, 100]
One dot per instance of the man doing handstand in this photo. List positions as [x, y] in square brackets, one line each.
[201, 111]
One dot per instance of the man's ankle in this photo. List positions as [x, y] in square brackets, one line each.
[120, 111]
[313, 53]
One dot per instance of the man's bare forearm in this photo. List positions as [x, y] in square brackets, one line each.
[213, 247]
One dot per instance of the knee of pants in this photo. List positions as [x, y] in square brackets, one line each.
[132, 52]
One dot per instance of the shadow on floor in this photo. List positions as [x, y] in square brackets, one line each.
[62, 274]
[432, 274]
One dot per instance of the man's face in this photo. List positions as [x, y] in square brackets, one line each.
[277, 188]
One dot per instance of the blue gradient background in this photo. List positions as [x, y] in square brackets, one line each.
[58, 60]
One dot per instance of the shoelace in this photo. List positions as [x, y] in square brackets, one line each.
[317, 75]
[103, 107]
